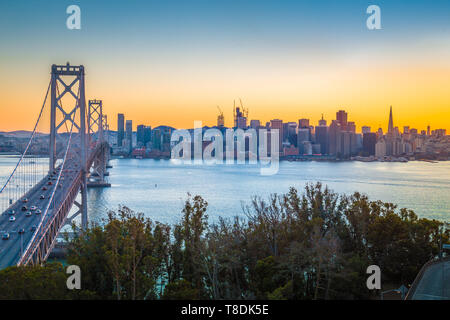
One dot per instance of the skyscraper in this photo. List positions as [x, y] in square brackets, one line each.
[391, 123]
[351, 127]
[390, 137]
[240, 121]
[255, 124]
[365, 129]
[129, 129]
[120, 128]
[369, 142]
[147, 135]
[341, 118]
[334, 138]
[140, 139]
[291, 135]
[303, 136]
[322, 122]
[303, 123]
[278, 124]
[322, 136]
[156, 139]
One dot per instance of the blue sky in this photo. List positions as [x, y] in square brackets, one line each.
[160, 46]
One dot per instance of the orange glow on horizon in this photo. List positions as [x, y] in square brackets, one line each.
[419, 96]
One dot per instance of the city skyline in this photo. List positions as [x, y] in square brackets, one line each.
[263, 122]
[337, 139]
[229, 123]
[172, 63]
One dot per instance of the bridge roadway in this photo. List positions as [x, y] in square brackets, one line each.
[11, 249]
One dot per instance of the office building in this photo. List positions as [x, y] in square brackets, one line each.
[322, 122]
[369, 142]
[129, 134]
[321, 134]
[255, 124]
[303, 123]
[277, 124]
[334, 138]
[341, 118]
[365, 129]
[120, 128]
[140, 139]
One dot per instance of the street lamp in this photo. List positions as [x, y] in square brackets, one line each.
[402, 290]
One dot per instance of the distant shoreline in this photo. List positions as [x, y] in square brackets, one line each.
[311, 160]
[396, 160]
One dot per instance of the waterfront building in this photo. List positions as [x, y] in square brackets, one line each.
[380, 148]
[278, 124]
[156, 139]
[334, 138]
[303, 135]
[321, 135]
[307, 148]
[345, 144]
[369, 142]
[120, 128]
[290, 151]
[316, 148]
[129, 134]
[140, 140]
[147, 134]
[143, 135]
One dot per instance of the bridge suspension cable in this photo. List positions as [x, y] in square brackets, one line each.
[25, 173]
[52, 204]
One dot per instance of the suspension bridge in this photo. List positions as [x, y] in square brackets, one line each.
[36, 202]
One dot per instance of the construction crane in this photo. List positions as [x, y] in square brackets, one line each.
[244, 110]
[240, 115]
[220, 118]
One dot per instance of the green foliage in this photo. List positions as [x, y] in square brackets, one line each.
[180, 290]
[38, 283]
[311, 245]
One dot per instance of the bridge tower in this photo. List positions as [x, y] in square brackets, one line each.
[96, 121]
[75, 115]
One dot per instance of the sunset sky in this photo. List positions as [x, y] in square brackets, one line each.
[172, 62]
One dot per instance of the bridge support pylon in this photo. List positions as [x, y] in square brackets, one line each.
[96, 121]
[70, 115]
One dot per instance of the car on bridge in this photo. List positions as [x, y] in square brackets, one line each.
[28, 214]
[32, 208]
[44, 188]
[5, 236]
[25, 200]
[21, 231]
[11, 212]
[12, 219]
[24, 208]
[42, 197]
[38, 211]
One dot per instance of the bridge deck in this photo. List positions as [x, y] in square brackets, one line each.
[11, 249]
